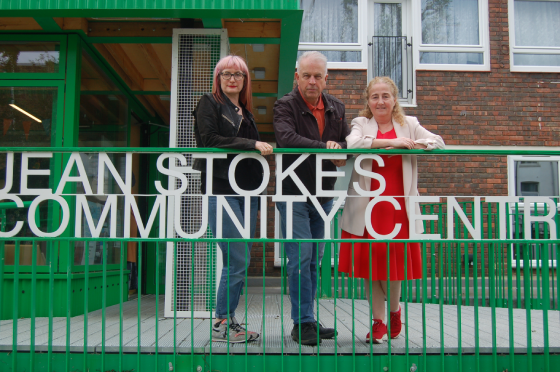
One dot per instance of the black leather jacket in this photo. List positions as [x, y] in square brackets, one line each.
[216, 125]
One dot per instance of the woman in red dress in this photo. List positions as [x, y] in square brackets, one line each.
[383, 125]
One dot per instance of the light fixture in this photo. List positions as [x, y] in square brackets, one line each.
[13, 105]
[259, 72]
[261, 110]
[258, 48]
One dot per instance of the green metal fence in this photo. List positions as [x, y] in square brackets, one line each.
[486, 304]
[468, 263]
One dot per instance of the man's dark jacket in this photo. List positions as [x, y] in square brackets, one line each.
[296, 127]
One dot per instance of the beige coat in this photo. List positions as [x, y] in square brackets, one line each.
[364, 131]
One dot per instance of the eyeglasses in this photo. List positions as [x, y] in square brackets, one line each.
[237, 76]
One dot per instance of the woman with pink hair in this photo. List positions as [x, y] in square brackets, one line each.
[224, 119]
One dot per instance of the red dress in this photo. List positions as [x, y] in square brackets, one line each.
[383, 219]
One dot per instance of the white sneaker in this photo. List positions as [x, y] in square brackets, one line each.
[235, 334]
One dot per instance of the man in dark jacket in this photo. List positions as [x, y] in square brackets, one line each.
[308, 118]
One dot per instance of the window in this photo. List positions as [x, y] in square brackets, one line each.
[333, 28]
[19, 56]
[534, 37]
[453, 35]
[532, 176]
[39, 57]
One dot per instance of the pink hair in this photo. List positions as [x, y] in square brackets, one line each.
[246, 94]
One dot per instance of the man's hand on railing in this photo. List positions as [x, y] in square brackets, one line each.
[332, 145]
[264, 148]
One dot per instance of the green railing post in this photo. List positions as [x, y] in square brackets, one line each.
[389, 305]
[527, 272]
[86, 303]
[326, 273]
[510, 308]
[103, 303]
[2, 263]
[139, 318]
[492, 277]
[546, 301]
[15, 307]
[476, 318]
[175, 308]
[33, 304]
[424, 295]
[459, 300]
[121, 300]
[157, 309]
[441, 301]
[407, 351]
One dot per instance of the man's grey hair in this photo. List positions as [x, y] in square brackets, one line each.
[318, 56]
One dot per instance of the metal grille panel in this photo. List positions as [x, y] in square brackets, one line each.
[195, 54]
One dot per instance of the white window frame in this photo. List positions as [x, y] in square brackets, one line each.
[360, 46]
[526, 50]
[484, 47]
[511, 159]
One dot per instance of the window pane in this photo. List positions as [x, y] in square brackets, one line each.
[21, 130]
[451, 58]
[103, 123]
[537, 23]
[339, 56]
[19, 56]
[329, 21]
[451, 22]
[536, 178]
[388, 19]
[27, 115]
[96, 204]
[536, 59]
[103, 114]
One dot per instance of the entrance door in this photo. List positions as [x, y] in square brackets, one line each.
[390, 44]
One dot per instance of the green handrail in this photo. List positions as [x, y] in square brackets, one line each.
[495, 150]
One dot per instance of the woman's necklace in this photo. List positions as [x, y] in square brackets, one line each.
[238, 109]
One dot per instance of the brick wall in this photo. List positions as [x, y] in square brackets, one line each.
[348, 86]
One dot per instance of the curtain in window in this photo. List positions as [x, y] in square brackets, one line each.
[536, 25]
[451, 22]
[329, 21]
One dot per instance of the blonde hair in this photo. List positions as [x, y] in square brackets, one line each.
[398, 113]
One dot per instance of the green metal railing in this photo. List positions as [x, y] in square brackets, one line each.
[23, 355]
[474, 262]
[498, 313]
